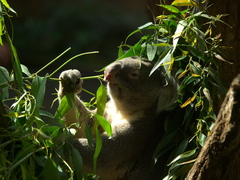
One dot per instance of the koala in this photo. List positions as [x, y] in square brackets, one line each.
[136, 111]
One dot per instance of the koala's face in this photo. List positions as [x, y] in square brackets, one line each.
[128, 77]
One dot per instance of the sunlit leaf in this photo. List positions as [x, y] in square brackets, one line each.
[180, 27]
[184, 3]
[7, 5]
[170, 8]
[101, 99]
[202, 138]
[189, 101]
[164, 59]
[63, 108]
[182, 74]
[151, 51]
[105, 124]
[162, 44]
[25, 70]
[218, 56]
[145, 25]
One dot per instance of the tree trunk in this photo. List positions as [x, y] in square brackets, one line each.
[220, 156]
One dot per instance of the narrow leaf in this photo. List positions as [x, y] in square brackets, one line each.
[101, 99]
[105, 124]
[50, 171]
[184, 155]
[188, 101]
[185, 3]
[63, 108]
[77, 161]
[170, 8]
[180, 27]
[151, 51]
[97, 150]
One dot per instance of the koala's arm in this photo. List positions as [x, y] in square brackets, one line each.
[71, 83]
[117, 155]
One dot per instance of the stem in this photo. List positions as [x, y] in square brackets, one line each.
[53, 60]
[93, 52]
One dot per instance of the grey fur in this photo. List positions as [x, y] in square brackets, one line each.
[135, 111]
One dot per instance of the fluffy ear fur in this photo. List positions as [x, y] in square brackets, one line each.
[135, 110]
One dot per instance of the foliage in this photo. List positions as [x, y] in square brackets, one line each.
[183, 43]
[36, 144]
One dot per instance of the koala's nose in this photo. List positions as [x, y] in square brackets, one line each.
[111, 71]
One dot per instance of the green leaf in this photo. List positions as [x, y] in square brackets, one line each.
[63, 108]
[151, 52]
[184, 156]
[202, 138]
[1, 26]
[162, 44]
[145, 25]
[97, 150]
[25, 70]
[88, 133]
[120, 51]
[105, 124]
[170, 8]
[38, 89]
[180, 27]
[77, 161]
[134, 50]
[217, 79]
[16, 66]
[184, 3]
[5, 3]
[50, 171]
[164, 58]
[4, 75]
[164, 145]
[101, 99]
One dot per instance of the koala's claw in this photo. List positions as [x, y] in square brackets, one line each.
[71, 81]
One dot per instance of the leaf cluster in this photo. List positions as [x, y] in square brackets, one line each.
[183, 44]
[35, 144]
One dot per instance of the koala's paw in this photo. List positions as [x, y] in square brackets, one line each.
[71, 82]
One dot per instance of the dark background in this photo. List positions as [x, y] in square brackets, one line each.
[44, 29]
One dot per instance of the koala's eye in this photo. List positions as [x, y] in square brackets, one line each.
[134, 74]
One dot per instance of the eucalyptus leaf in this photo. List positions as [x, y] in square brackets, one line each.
[105, 124]
[151, 51]
[97, 149]
[184, 155]
[38, 89]
[50, 171]
[78, 163]
[63, 108]
[4, 75]
[25, 70]
[170, 8]
[101, 99]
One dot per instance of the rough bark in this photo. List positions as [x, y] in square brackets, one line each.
[220, 156]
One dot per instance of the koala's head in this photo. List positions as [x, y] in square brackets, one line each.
[129, 83]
